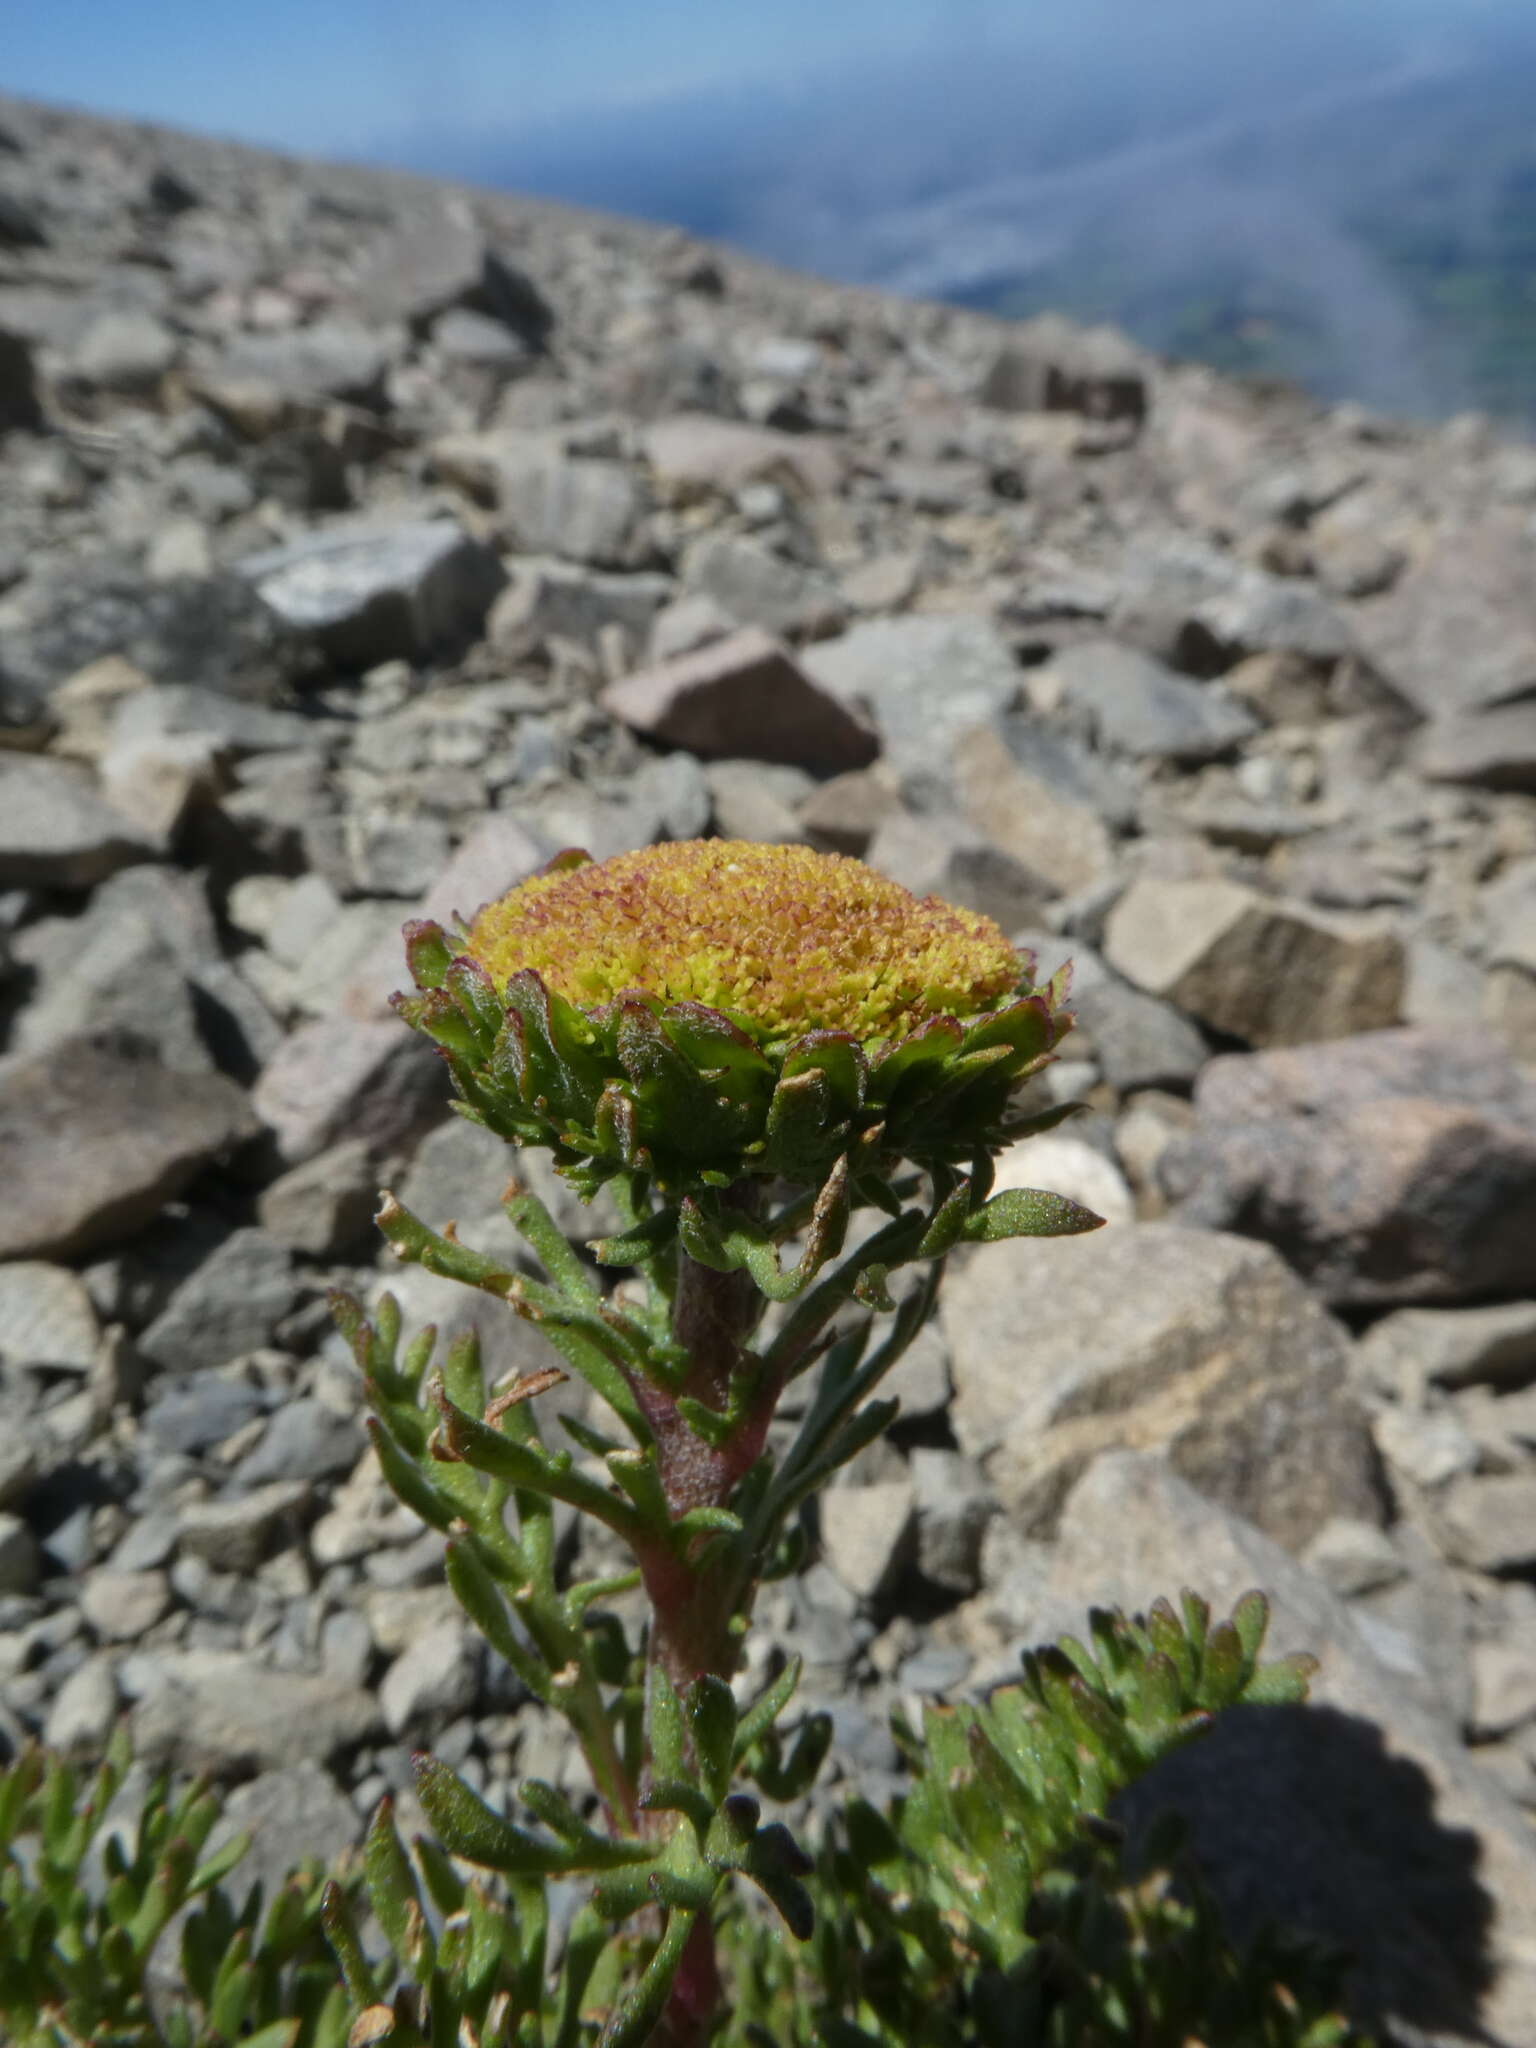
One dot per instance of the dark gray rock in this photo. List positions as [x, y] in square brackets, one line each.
[20, 406]
[230, 1304]
[367, 592]
[305, 1440]
[190, 1416]
[95, 1135]
[212, 631]
[324, 1206]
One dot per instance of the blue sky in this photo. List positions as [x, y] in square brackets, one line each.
[344, 75]
[354, 76]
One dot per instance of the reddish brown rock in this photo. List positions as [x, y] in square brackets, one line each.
[743, 698]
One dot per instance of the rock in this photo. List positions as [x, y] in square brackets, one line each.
[1137, 1040]
[292, 1815]
[694, 456]
[744, 696]
[21, 1562]
[213, 631]
[868, 1533]
[433, 1680]
[1360, 1818]
[925, 680]
[844, 814]
[757, 800]
[588, 511]
[442, 261]
[307, 366]
[1457, 632]
[46, 1318]
[218, 1711]
[1068, 1166]
[1053, 366]
[1136, 706]
[324, 1206]
[1254, 613]
[113, 969]
[1270, 972]
[231, 1304]
[756, 587]
[19, 404]
[193, 1415]
[1429, 1449]
[1199, 1343]
[339, 1077]
[1395, 1167]
[304, 1440]
[954, 1506]
[1352, 1557]
[1482, 749]
[1049, 833]
[1503, 1688]
[57, 831]
[552, 600]
[235, 1535]
[937, 856]
[1490, 1521]
[125, 351]
[393, 856]
[95, 1135]
[121, 1606]
[84, 1710]
[1411, 1348]
[367, 592]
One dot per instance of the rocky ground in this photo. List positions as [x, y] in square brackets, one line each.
[364, 541]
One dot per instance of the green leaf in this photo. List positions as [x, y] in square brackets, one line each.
[471, 1829]
[711, 1710]
[391, 1887]
[636, 2018]
[667, 1728]
[1028, 1212]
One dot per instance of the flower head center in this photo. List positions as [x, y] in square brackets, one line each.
[782, 938]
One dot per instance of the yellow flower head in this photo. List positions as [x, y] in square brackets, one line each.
[783, 939]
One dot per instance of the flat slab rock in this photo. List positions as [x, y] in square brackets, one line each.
[95, 1135]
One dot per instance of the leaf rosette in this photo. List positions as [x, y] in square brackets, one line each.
[708, 1012]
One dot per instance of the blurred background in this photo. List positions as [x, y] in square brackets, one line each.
[1337, 192]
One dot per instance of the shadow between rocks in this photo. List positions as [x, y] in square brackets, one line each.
[1300, 1816]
